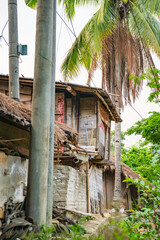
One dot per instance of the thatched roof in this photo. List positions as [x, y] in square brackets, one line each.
[126, 170]
[18, 113]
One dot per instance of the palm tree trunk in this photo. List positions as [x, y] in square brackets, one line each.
[38, 164]
[117, 187]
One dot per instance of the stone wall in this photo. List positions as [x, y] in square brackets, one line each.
[70, 188]
[13, 177]
[96, 190]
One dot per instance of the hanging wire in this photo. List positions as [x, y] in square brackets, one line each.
[60, 31]
[2, 36]
[68, 31]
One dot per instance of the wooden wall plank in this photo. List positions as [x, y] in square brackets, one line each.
[87, 121]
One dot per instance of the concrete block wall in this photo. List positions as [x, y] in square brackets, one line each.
[60, 183]
[76, 191]
[69, 188]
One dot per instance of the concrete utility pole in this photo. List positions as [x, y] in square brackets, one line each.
[13, 50]
[39, 151]
[52, 120]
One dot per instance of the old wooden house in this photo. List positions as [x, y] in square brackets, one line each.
[79, 174]
[15, 124]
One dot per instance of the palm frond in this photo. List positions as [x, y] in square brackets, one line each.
[92, 68]
[152, 6]
[119, 41]
[87, 45]
[142, 28]
[31, 3]
[70, 5]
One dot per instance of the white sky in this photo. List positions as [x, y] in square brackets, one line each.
[27, 28]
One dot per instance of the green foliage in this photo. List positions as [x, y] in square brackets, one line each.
[45, 233]
[142, 160]
[153, 82]
[113, 141]
[144, 223]
[149, 128]
[31, 3]
[74, 232]
[139, 18]
[145, 160]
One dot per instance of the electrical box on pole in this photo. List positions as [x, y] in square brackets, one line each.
[22, 49]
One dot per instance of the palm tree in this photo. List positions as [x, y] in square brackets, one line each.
[118, 38]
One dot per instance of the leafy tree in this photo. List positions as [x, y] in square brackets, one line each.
[144, 223]
[149, 128]
[143, 160]
[152, 76]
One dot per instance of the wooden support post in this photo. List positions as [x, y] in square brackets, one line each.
[129, 199]
[87, 187]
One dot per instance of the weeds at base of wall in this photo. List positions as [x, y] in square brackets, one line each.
[77, 232]
[142, 224]
[72, 232]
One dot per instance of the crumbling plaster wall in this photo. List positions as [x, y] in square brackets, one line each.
[96, 189]
[13, 177]
[70, 188]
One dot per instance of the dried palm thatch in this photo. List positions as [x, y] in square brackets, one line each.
[123, 54]
[15, 108]
[126, 170]
[9, 106]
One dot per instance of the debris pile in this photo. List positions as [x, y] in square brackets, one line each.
[14, 224]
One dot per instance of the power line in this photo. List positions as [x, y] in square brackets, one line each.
[69, 34]
[73, 32]
[59, 33]
[1, 36]
[65, 23]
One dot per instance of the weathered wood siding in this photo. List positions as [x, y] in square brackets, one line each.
[96, 190]
[59, 107]
[69, 112]
[104, 124]
[102, 138]
[129, 194]
[87, 121]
